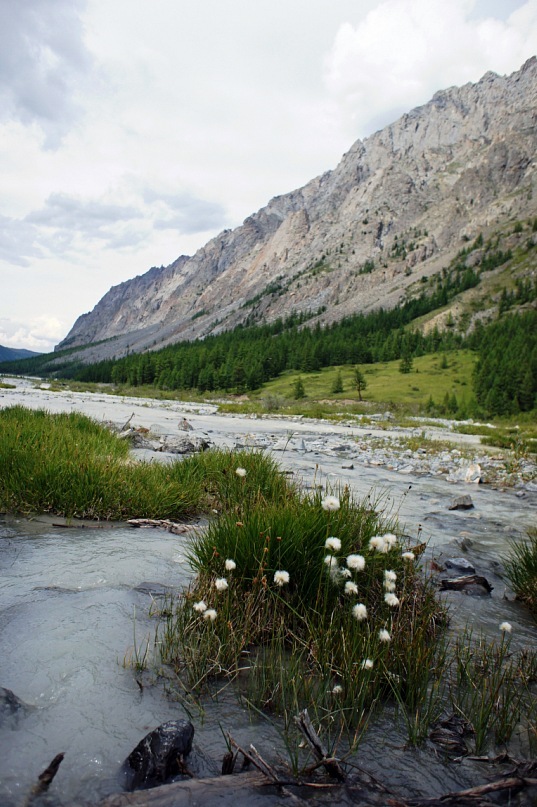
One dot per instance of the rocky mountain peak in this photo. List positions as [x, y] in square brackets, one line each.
[398, 207]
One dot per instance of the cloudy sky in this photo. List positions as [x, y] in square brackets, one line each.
[132, 131]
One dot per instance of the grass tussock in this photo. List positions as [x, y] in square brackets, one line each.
[310, 603]
[70, 465]
[521, 570]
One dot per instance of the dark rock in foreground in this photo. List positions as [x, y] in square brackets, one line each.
[160, 755]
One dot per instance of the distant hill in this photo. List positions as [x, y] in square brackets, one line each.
[15, 354]
[389, 219]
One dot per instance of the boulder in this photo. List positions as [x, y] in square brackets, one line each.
[460, 564]
[11, 705]
[472, 584]
[461, 503]
[183, 445]
[474, 474]
[159, 757]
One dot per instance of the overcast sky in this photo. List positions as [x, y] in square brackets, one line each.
[132, 131]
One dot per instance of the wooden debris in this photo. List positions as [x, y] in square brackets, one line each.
[44, 780]
[163, 523]
[330, 764]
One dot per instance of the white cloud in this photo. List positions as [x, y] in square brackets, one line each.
[132, 132]
[403, 51]
[36, 334]
[42, 59]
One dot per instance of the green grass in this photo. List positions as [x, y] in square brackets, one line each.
[301, 644]
[521, 570]
[69, 465]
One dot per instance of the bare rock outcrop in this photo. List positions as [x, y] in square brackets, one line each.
[399, 206]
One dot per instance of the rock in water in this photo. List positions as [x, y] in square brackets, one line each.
[159, 756]
[11, 705]
[461, 503]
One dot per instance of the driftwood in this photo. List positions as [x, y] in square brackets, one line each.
[330, 764]
[163, 523]
[475, 796]
[44, 780]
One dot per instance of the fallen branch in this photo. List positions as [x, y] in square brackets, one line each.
[170, 526]
[330, 764]
[44, 780]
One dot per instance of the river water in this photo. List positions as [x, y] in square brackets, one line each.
[75, 609]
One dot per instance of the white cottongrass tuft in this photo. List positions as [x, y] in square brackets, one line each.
[330, 503]
[337, 690]
[367, 664]
[220, 583]
[240, 471]
[281, 578]
[378, 543]
[356, 562]
[383, 543]
[230, 565]
[391, 599]
[350, 587]
[345, 573]
[333, 544]
[389, 575]
[200, 606]
[389, 586]
[210, 613]
[384, 635]
[359, 612]
[331, 562]
[506, 627]
[408, 556]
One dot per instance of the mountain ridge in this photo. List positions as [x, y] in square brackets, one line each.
[397, 207]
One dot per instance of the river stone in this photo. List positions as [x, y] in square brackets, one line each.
[183, 445]
[11, 705]
[473, 474]
[461, 503]
[472, 585]
[156, 759]
[461, 564]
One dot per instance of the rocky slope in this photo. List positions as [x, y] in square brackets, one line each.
[399, 205]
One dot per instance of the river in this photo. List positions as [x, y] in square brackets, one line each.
[72, 601]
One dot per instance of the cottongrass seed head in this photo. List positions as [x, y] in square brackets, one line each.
[220, 583]
[337, 689]
[384, 635]
[331, 562]
[230, 565]
[330, 503]
[391, 600]
[200, 606]
[281, 578]
[240, 471]
[367, 664]
[506, 627]
[210, 614]
[350, 587]
[359, 612]
[408, 556]
[356, 562]
[333, 544]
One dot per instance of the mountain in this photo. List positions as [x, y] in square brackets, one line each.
[398, 207]
[13, 354]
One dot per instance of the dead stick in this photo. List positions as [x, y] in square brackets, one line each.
[331, 765]
[44, 780]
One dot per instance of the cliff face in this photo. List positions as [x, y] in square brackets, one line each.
[399, 205]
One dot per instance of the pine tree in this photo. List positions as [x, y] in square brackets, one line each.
[337, 386]
[360, 382]
[298, 389]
